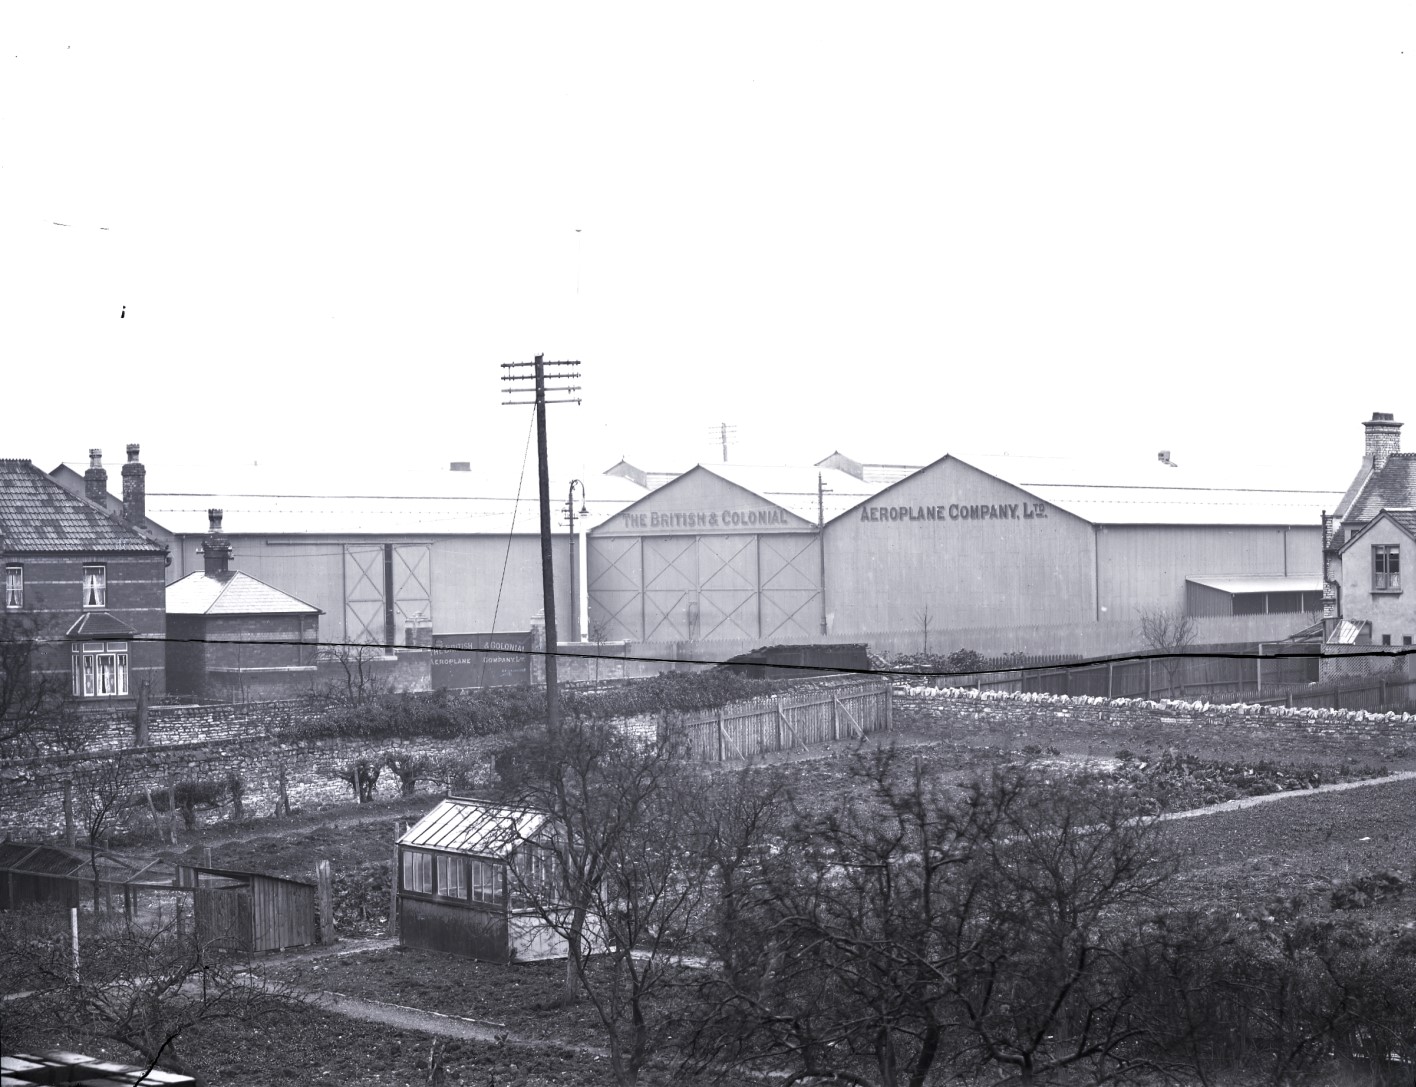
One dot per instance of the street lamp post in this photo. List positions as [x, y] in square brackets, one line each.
[574, 555]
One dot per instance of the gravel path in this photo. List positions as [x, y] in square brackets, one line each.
[1250, 801]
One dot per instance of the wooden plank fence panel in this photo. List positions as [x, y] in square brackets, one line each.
[748, 729]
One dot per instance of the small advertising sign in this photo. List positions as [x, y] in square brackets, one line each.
[481, 660]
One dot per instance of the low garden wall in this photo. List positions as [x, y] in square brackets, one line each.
[953, 709]
[32, 789]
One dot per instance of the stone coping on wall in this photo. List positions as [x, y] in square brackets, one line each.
[1173, 708]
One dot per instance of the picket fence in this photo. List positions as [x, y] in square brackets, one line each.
[743, 730]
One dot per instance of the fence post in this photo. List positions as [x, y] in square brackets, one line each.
[393, 883]
[325, 892]
[889, 707]
[1110, 679]
[777, 707]
[718, 717]
[70, 833]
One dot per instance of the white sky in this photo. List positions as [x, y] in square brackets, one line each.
[898, 230]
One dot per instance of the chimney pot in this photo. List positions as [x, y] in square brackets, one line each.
[216, 548]
[96, 479]
[134, 488]
[1383, 438]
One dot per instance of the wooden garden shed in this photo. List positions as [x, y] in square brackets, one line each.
[468, 871]
[249, 911]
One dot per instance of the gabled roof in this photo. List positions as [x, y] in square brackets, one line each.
[1393, 487]
[235, 593]
[37, 514]
[480, 828]
[1405, 519]
[795, 487]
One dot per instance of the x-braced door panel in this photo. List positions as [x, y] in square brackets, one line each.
[613, 574]
[670, 588]
[364, 594]
[791, 586]
[412, 592]
[727, 590]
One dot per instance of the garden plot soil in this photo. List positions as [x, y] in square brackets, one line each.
[318, 1046]
[1305, 846]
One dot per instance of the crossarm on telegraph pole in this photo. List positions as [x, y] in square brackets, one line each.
[516, 377]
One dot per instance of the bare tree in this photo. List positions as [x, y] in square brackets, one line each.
[34, 713]
[143, 988]
[1168, 632]
[915, 928]
[628, 889]
[924, 619]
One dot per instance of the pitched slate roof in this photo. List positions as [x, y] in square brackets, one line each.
[234, 593]
[36, 514]
[481, 828]
[1394, 487]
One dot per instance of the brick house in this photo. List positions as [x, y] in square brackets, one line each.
[232, 637]
[1369, 547]
[86, 582]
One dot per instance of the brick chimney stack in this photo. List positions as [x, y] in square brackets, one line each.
[134, 488]
[1383, 438]
[96, 479]
[216, 548]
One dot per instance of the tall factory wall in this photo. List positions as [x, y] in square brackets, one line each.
[454, 584]
[974, 550]
[1145, 566]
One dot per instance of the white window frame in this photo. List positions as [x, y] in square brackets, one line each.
[452, 876]
[1386, 568]
[14, 587]
[99, 669]
[95, 594]
[417, 872]
[488, 883]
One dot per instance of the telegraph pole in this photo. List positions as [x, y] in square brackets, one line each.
[821, 541]
[516, 385]
[575, 555]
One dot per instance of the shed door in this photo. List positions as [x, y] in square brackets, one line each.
[223, 917]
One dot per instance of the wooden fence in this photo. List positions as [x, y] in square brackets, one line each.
[789, 722]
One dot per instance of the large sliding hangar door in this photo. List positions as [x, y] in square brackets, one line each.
[702, 559]
[387, 592]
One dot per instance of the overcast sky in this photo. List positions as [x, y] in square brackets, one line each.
[897, 230]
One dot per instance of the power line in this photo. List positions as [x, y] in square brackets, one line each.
[1385, 652]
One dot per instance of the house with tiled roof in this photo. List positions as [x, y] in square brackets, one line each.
[1369, 555]
[234, 638]
[87, 583]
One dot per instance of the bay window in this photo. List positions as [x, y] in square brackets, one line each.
[100, 669]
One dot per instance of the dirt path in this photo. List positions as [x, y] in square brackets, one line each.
[1266, 798]
[403, 1017]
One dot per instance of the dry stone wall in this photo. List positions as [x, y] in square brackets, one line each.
[196, 742]
[952, 710]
